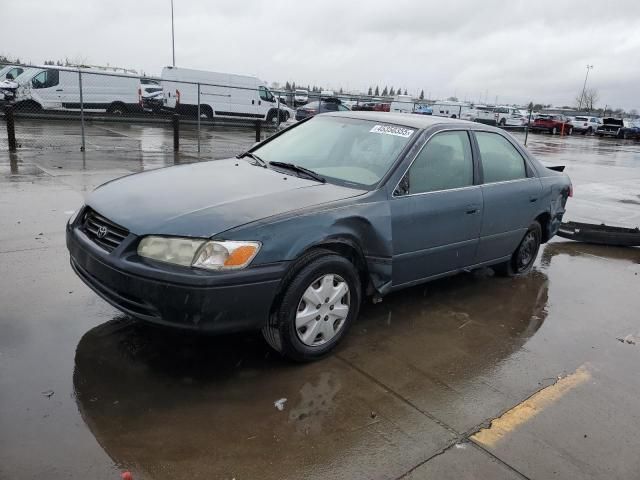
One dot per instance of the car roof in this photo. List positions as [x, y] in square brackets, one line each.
[405, 119]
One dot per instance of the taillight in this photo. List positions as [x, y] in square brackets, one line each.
[177, 96]
[140, 96]
[571, 190]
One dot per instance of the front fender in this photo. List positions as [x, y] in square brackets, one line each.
[366, 227]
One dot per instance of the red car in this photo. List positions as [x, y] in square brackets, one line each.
[382, 107]
[554, 124]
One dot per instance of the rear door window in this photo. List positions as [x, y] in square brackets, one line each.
[443, 164]
[501, 161]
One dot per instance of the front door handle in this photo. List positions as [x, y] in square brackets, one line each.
[533, 198]
[471, 209]
[58, 90]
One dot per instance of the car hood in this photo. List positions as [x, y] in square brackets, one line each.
[204, 199]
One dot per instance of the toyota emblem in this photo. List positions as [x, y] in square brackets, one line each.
[102, 232]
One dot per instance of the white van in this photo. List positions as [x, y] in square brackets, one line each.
[222, 95]
[450, 109]
[58, 88]
[402, 104]
[12, 71]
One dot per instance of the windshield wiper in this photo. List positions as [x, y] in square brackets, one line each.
[299, 169]
[255, 157]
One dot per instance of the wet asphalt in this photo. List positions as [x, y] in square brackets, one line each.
[470, 377]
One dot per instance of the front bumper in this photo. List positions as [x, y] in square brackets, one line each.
[212, 302]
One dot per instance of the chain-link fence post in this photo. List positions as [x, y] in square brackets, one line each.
[82, 147]
[198, 118]
[175, 120]
[11, 128]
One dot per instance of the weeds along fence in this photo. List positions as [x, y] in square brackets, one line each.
[84, 108]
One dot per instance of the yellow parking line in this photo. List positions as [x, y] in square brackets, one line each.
[525, 411]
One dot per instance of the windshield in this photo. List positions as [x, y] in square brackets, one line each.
[342, 149]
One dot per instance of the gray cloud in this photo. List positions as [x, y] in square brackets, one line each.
[517, 50]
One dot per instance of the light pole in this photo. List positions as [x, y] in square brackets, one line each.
[589, 67]
[173, 43]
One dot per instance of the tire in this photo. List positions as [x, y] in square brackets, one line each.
[320, 276]
[523, 258]
[570, 131]
[454, 116]
[207, 111]
[271, 116]
[503, 122]
[554, 131]
[589, 131]
[286, 116]
[28, 106]
[117, 109]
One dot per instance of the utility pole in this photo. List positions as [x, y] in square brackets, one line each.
[173, 43]
[584, 86]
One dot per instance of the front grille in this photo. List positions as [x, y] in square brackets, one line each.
[101, 231]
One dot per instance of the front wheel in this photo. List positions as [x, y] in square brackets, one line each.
[570, 131]
[554, 130]
[503, 122]
[525, 255]
[317, 307]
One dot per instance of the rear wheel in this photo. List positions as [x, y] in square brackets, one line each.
[525, 255]
[319, 303]
[589, 131]
[117, 109]
[207, 111]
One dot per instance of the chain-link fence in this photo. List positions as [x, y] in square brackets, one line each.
[91, 108]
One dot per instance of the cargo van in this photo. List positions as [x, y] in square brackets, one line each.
[10, 72]
[450, 109]
[402, 104]
[222, 95]
[58, 88]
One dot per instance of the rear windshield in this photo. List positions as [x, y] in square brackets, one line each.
[344, 150]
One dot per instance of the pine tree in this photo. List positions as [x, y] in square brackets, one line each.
[341, 92]
[392, 92]
[370, 91]
[385, 92]
[293, 86]
[287, 87]
[405, 92]
[377, 91]
[421, 94]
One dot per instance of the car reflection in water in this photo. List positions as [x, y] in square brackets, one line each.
[170, 403]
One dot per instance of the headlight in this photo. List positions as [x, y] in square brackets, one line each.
[229, 255]
[212, 255]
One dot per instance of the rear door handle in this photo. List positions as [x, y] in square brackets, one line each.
[533, 199]
[58, 90]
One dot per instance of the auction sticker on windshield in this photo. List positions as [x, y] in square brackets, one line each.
[391, 130]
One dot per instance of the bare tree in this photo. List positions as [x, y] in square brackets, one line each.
[588, 99]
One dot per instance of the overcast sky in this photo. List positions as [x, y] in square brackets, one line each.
[515, 50]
